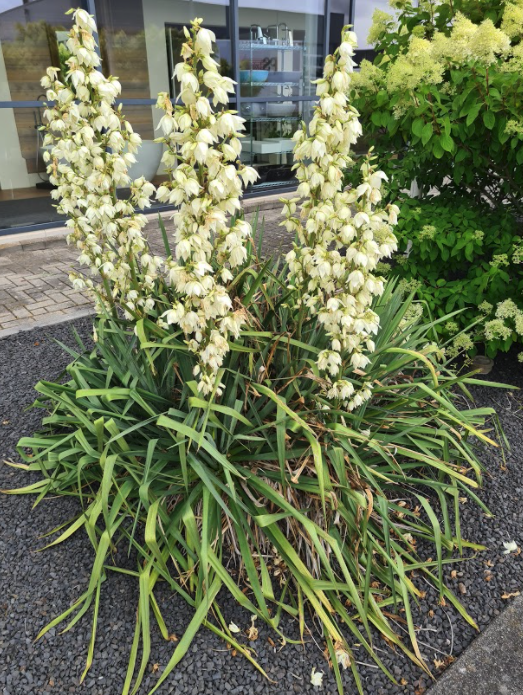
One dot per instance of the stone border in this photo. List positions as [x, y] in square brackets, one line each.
[493, 662]
[47, 320]
[54, 237]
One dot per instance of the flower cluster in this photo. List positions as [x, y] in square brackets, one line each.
[499, 260]
[462, 343]
[415, 67]
[428, 231]
[512, 23]
[517, 254]
[206, 185]
[508, 320]
[341, 234]
[507, 324]
[425, 61]
[381, 22]
[89, 147]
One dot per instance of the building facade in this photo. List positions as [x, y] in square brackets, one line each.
[272, 49]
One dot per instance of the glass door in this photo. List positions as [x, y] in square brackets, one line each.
[280, 50]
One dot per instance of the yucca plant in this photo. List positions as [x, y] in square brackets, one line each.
[296, 422]
[316, 509]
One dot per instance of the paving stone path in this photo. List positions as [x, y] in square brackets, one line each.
[35, 289]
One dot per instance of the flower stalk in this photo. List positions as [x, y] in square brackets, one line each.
[341, 235]
[206, 180]
[90, 147]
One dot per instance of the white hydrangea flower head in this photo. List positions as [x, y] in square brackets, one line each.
[341, 234]
[206, 181]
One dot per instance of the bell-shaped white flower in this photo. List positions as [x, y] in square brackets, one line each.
[338, 288]
[91, 146]
[206, 181]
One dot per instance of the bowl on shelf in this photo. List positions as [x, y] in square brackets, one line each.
[254, 75]
[281, 108]
[148, 159]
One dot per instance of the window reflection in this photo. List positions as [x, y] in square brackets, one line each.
[281, 48]
[340, 15]
[141, 41]
[267, 145]
[216, 18]
[29, 42]
[24, 186]
[31, 39]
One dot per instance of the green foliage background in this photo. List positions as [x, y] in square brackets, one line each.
[459, 257]
[453, 132]
[453, 123]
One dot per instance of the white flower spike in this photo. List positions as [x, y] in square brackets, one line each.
[206, 182]
[90, 148]
[341, 234]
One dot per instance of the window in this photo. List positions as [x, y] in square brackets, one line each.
[273, 49]
[31, 35]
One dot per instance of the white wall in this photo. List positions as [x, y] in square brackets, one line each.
[364, 9]
[13, 169]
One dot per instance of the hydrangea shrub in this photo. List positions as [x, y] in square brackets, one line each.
[447, 82]
[442, 102]
[464, 258]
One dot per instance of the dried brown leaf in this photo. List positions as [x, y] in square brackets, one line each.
[513, 594]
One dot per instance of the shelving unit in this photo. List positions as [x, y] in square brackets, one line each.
[256, 45]
[268, 145]
[272, 119]
[273, 84]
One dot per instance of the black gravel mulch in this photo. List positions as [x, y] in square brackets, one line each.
[35, 587]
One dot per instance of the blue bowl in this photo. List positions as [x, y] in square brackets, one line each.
[253, 75]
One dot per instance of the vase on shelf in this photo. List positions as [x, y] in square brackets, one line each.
[148, 160]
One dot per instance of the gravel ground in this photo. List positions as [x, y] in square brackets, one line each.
[35, 587]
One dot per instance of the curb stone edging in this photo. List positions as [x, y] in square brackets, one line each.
[493, 663]
[51, 238]
[33, 241]
[44, 321]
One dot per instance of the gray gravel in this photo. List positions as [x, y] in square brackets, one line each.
[35, 587]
